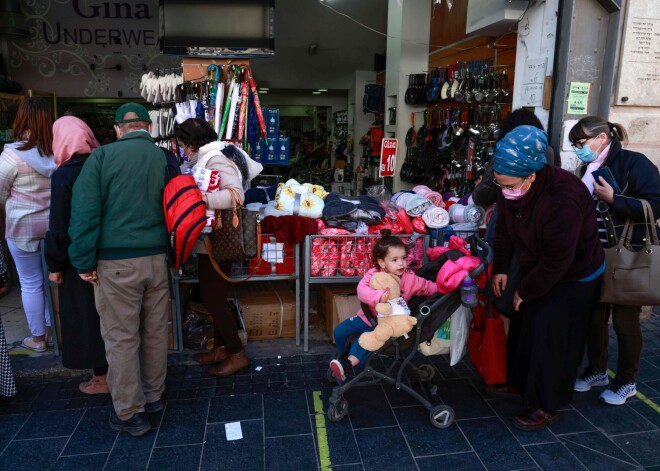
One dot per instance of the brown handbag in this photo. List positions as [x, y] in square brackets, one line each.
[236, 236]
[632, 278]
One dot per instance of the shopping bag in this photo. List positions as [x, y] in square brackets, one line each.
[440, 343]
[632, 278]
[487, 345]
[460, 326]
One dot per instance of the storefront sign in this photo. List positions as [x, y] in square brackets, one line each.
[578, 97]
[88, 48]
[388, 157]
[639, 70]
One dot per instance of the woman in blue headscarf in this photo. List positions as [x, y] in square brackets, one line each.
[547, 218]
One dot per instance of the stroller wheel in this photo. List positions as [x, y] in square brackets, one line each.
[426, 371]
[338, 410]
[442, 416]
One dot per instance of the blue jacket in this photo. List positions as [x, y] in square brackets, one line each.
[638, 178]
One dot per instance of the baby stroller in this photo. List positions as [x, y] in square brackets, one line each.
[431, 313]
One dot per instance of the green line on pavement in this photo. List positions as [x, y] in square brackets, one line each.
[321, 433]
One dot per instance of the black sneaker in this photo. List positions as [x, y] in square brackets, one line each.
[136, 425]
[153, 407]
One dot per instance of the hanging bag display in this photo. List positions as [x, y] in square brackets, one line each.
[235, 237]
[487, 343]
[632, 278]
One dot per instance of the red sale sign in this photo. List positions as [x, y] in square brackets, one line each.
[388, 157]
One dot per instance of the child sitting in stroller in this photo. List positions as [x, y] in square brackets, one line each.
[389, 255]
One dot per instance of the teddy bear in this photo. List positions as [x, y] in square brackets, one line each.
[394, 319]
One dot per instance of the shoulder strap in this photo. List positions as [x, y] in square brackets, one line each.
[209, 250]
[172, 169]
[652, 237]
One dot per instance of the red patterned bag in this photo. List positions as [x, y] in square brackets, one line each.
[276, 258]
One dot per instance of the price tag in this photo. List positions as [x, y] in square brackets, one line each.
[388, 157]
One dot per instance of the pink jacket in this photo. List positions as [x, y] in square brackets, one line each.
[411, 285]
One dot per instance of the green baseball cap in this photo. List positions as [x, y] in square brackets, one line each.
[139, 110]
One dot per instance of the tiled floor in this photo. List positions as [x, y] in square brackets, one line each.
[281, 412]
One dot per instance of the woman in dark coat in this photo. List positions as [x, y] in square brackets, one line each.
[598, 143]
[547, 218]
[82, 345]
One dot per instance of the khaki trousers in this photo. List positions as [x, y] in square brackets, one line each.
[132, 301]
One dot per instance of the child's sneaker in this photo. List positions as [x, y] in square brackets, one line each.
[37, 346]
[339, 368]
[591, 379]
[618, 393]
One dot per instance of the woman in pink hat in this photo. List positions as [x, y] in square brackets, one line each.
[82, 344]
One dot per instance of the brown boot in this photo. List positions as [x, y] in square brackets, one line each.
[233, 364]
[217, 355]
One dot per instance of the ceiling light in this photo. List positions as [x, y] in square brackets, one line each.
[316, 93]
[264, 88]
[323, 89]
[263, 92]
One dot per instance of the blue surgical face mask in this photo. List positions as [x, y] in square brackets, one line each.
[585, 154]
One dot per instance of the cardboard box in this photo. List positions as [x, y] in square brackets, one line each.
[268, 309]
[339, 303]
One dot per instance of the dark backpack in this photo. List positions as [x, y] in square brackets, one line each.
[185, 217]
[374, 99]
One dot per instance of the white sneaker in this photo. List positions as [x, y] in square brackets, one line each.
[618, 393]
[591, 379]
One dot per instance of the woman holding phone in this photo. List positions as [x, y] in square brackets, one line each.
[599, 145]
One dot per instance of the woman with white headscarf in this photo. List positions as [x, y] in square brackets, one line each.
[82, 344]
[547, 218]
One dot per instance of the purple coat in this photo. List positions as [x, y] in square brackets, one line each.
[552, 230]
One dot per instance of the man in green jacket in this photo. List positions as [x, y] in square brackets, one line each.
[118, 243]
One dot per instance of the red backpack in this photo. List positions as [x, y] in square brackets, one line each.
[185, 216]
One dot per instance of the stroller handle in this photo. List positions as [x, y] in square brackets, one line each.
[482, 250]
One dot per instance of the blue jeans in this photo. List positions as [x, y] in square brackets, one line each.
[347, 328]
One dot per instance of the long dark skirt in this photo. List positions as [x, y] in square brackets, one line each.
[82, 344]
[546, 342]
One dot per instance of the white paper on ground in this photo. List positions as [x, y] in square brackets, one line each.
[233, 431]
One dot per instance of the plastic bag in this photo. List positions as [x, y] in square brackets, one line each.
[197, 328]
[391, 210]
[460, 330]
[379, 192]
[440, 344]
